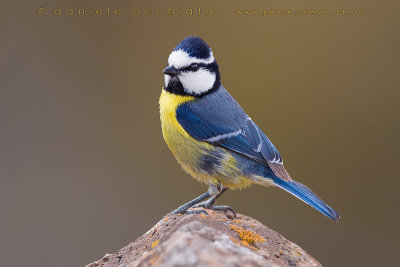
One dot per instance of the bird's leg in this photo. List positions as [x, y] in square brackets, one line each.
[209, 204]
[184, 208]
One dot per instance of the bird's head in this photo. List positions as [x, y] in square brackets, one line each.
[191, 69]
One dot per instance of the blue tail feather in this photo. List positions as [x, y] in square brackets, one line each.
[305, 194]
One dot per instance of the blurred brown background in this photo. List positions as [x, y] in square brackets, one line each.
[83, 166]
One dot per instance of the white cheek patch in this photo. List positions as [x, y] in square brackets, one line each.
[180, 58]
[167, 78]
[197, 82]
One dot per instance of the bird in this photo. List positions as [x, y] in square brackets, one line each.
[213, 138]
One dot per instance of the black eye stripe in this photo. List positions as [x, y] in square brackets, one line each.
[199, 65]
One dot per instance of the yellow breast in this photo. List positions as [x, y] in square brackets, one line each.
[168, 105]
[186, 149]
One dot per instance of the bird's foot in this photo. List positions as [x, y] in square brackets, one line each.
[209, 204]
[185, 211]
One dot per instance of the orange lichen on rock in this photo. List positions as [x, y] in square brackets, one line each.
[155, 243]
[247, 237]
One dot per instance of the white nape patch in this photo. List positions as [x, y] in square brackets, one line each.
[197, 82]
[180, 58]
[167, 78]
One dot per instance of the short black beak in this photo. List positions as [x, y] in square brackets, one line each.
[171, 71]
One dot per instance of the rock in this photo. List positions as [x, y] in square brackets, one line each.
[213, 240]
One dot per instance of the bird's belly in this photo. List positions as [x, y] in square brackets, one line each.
[204, 162]
[201, 160]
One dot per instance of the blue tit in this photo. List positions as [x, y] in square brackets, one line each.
[212, 137]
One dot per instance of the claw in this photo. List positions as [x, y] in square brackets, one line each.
[178, 211]
[210, 206]
[197, 212]
[224, 209]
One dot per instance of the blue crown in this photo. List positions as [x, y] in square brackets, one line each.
[195, 47]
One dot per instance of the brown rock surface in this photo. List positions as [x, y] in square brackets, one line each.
[213, 240]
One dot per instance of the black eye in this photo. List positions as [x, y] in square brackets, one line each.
[194, 67]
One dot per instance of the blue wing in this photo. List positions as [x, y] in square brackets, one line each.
[223, 123]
